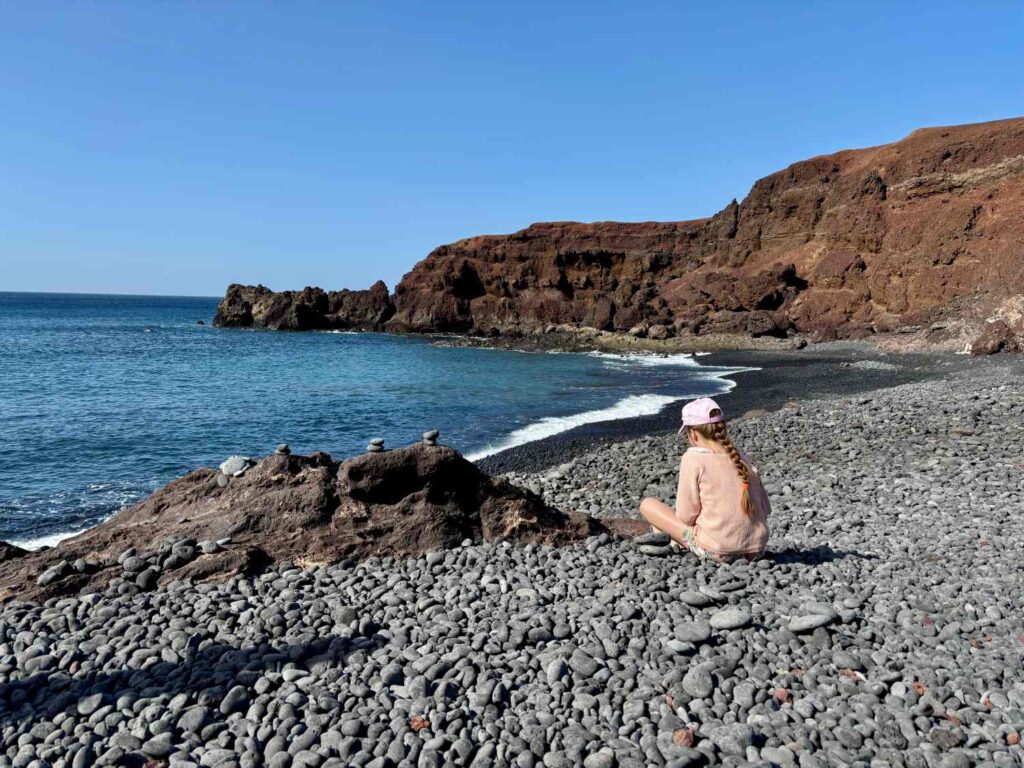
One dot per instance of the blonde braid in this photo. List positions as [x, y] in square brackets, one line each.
[720, 435]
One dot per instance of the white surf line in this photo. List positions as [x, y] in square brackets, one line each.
[633, 405]
[683, 359]
[628, 407]
[52, 540]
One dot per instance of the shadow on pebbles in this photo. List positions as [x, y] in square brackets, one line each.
[882, 628]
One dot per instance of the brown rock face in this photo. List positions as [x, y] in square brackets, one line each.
[842, 245]
[10, 552]
[859, 242]
[596, 275]
[246, 306]
[308, 509]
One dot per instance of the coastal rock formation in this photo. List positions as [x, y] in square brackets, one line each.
[921, 236]
[305, 509]
[926, 229]
[596, 275]
[10, 552]
[246, 306]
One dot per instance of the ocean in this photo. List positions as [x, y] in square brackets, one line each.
[103, 399]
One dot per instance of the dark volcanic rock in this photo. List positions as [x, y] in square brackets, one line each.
[246, 306]
[306, 509]
[10, 552]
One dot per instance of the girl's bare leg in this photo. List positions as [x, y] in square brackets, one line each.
[663, 517]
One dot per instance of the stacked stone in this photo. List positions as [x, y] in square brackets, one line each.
[654, 544]
[430, 437]
[283, 449]
[376, 445]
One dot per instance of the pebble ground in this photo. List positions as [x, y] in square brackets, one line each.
[883, 628]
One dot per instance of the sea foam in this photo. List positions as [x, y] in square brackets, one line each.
[634, 405]
[646, 360]
[33, 545]
[628, 407]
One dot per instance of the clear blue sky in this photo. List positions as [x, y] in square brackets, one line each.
[174, 147]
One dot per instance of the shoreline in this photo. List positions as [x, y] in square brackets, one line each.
[766, 380]
[774, 378]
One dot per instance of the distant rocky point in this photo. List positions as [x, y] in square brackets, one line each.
[923, 237]
[309, 510]
[247, 306]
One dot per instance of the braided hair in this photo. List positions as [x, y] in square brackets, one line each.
[717, 433]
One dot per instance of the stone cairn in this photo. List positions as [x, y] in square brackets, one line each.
[376, 445]
[430, 437]
[283, 449]
[655, 544]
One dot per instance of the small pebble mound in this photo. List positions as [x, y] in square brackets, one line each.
[881, 629]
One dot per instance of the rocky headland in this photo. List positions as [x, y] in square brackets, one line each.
[882, 627]
[312, 510]
[247, 306]
[920, 238]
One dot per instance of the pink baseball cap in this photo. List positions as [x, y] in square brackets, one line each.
[698, 412]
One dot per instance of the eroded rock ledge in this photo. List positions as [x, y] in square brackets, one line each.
[306, 509]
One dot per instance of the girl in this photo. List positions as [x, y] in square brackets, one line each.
[721, 507]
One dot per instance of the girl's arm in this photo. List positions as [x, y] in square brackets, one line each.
[688, 492]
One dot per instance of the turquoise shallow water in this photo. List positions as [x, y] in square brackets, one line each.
[105, 398]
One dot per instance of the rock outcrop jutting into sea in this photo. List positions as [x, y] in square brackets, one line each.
[246, 306]
[306, 509]
[924, 234]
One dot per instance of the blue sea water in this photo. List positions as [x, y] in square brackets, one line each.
[103, 399]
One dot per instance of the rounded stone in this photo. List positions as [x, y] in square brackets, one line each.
[695, 632]
[808, 622]
[698, 682]
[731, 618]
[234, 464]
[147, 580]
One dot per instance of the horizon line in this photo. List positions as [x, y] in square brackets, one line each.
[125, 295]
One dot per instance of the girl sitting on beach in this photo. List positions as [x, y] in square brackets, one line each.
[721, 507]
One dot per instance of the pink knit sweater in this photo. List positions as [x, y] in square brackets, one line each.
[708, 498]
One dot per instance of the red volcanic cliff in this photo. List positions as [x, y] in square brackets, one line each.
[929, 228]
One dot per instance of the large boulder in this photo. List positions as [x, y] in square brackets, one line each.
[1003, 331]
[306, 509]
[997, 336]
